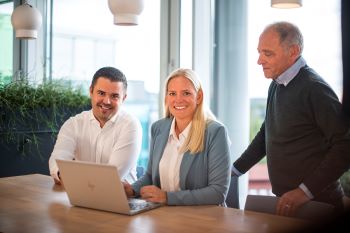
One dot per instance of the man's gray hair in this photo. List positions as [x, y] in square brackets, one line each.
[289, 34]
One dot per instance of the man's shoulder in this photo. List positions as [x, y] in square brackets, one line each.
[84, 115]
[310, 77]
[312, 82]
[126, 117]
[163, 124]
[215, 125]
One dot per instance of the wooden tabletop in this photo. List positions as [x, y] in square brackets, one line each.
[32, 203]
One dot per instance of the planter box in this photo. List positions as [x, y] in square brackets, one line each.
[25, 156]
[26, 142]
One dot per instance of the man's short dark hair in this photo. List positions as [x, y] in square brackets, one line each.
[111, 73]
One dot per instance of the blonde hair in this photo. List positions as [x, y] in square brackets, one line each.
[202, 116]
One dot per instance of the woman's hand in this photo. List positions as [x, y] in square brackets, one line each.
[154, 194]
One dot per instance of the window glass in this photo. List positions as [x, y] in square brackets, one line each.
[318, 20]
[322, 46]
[186, 34]
[6, 43]
[85, 39]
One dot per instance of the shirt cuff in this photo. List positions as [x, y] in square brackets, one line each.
[306, 191]
[54, 172]
[235, 172]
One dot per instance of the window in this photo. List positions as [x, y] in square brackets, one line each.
[322, 39]
[186, 34]
[6, 43]
[85, 42]
[322, 52]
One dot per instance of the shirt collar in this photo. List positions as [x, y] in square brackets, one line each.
[291, 72]
[112, 120]
[184, 134]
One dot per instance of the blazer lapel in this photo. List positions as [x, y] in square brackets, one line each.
[159, 146]
[185, 167]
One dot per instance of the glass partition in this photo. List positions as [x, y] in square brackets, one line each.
[6, 43]
[85, 39]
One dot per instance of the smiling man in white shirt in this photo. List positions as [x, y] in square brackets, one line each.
[106, 133]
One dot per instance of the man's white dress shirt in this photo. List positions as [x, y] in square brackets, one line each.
[117, 143]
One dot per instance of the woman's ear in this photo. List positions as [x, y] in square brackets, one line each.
[199, 96]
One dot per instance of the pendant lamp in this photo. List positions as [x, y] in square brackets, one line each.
[286, 3]
[26, 20]
[126, 12]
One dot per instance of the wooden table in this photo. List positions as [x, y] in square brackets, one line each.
[32, 203]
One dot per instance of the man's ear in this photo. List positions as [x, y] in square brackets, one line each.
[124, 97]
[294, 51]
[90, 91]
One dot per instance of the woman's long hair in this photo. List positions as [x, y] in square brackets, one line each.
[202, 116]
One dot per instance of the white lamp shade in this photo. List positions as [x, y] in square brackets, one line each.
[126, 12]
[26, 20]
[286, 3]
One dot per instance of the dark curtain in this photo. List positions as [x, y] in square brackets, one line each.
[345, 25]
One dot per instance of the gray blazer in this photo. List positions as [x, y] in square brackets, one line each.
[204, 177]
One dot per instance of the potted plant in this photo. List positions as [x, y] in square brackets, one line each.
[345, 182]
[30, 118]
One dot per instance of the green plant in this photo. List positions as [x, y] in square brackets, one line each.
[28, 108]
[345, 182]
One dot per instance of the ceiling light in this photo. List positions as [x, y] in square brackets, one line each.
[26, 20]
[126, 12]
[286, 3]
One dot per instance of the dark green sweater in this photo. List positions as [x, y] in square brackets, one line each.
[303, 136]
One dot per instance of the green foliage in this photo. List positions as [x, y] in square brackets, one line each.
[27, 108]
[24, 96]
[345, 182]
[4, 79]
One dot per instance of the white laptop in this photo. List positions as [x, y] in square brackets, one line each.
[98, 186]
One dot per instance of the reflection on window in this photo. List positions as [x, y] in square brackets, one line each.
[6, 45]
[86, 40]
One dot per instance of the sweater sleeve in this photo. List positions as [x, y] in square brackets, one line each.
[254, 153]
[334, 125]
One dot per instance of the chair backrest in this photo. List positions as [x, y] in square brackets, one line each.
[139, 171]
[232, 199]
[311, 210]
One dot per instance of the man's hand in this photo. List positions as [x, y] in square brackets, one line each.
[290, 202]
[128, 189]
[57, 178]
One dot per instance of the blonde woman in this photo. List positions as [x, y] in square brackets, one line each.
[189, 160]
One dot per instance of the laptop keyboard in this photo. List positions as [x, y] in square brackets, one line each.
[138, 204]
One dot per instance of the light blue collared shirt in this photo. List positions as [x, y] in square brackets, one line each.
[291, 72]
[284, 79]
